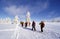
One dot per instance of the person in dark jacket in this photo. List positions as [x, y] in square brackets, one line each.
[25, 24]
[33, 26]
[42, 25]
[22, 23]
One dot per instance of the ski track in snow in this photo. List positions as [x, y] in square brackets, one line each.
[37, 34]
[26, 33]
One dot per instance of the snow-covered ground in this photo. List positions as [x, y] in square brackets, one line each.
[12, 31]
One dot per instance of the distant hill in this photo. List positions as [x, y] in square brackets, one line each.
[54, 20]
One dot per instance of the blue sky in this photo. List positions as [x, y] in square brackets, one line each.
[39, 9]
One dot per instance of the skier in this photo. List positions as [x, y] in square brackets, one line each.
[22, 23]
[42, 25]
[25, 24]
[33, 26]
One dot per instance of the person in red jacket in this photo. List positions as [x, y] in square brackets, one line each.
[33, 26]
[42, 25]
